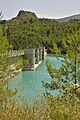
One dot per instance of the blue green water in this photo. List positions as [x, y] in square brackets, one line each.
[28, 83]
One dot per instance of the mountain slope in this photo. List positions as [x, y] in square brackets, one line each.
[65, 19]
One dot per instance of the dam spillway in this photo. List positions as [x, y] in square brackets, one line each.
[35, 57]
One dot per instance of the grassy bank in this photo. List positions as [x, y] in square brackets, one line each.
[50, 108]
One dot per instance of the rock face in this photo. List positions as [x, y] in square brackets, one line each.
[23, 16]
[26, 14]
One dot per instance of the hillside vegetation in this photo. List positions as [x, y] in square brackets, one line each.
[28, 31]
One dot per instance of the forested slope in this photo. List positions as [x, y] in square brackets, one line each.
[27, 31]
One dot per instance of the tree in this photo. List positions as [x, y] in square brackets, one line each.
[4, 55]
[74, 54]
[68, 75]
[3, 46]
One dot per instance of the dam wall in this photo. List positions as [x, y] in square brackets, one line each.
[35, 57]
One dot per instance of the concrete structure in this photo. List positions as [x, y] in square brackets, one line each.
[35, 57]
[30, 55]
[44, 53]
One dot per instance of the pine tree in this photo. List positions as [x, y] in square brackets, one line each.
[4, 55]
[68, 75]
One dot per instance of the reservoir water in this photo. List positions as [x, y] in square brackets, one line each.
[28, 83]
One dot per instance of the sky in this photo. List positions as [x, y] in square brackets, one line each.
[42, 8]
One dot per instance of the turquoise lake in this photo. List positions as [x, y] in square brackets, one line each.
[28, 83]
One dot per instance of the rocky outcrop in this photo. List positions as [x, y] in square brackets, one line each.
[23, 16]
[26, 14]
